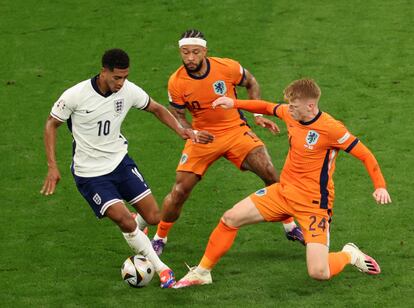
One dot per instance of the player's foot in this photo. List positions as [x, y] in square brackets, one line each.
[158, 246]
[295, 235]
[167, 278]
[361, 261]
[193, 278]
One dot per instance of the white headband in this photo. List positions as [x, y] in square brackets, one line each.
[192, 41]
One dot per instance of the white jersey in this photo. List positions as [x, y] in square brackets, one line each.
[95, 121]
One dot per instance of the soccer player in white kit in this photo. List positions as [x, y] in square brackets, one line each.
[105, 175]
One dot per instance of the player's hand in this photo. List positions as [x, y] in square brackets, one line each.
[203, 136]
[266, 123]
[52, 178]
[188, 133]
[381, 196]
[223, 102]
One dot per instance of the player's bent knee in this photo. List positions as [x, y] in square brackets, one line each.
[231, 219]
[127, 224]
[179, 194]
[318, 273]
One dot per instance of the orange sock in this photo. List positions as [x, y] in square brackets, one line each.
[288, 221]
[163, 228]
[220, 241]
[337, 262]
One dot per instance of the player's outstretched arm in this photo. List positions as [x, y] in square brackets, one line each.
[223, 102]
[53, 174]
[259, 106]
[253, 91]
[168, 119]
[380, 194]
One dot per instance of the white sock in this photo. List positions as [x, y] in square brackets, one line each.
[164, 239]
[289, 227]
[140, 221]
[141, 244]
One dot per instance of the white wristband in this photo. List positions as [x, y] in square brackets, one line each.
[258, 114]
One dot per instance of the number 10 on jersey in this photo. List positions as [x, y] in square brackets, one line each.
[103, 128]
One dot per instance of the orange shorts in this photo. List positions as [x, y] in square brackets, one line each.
[274, 206]
[233, 145]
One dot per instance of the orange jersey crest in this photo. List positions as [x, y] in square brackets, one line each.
[197, 93]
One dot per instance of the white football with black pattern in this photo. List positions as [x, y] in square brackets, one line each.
[137, 271]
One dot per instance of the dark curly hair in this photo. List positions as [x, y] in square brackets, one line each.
[115, 58]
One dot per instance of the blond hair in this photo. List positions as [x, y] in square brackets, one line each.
[302, 89]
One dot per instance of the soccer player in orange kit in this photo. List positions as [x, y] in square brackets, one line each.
[305, 191]
[220, 133]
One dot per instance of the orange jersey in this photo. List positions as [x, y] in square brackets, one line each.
[197, 93]
[306, 176]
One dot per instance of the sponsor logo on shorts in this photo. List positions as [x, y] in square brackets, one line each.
[183, 159]
[220, 87]
[97, 199]
[261, 192]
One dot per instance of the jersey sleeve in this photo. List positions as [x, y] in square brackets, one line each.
[361, 152]
[341, 138]
[258, 106]
[280, 111]
[140, 98]
[174, 96]
[63, 107]
[237, 72]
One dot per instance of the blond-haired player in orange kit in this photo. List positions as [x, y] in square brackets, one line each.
[220, 133]
[305, 191]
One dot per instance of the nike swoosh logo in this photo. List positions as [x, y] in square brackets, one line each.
[187, 95]
[315, 235]
[88, 111]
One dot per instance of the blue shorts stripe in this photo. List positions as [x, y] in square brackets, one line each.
[140, 197]
[108, 204]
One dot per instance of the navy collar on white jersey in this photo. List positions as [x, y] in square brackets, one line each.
[96, 88]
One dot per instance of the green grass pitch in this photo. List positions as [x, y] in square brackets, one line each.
[54, 252]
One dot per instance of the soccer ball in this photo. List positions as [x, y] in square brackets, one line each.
[137, 271]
